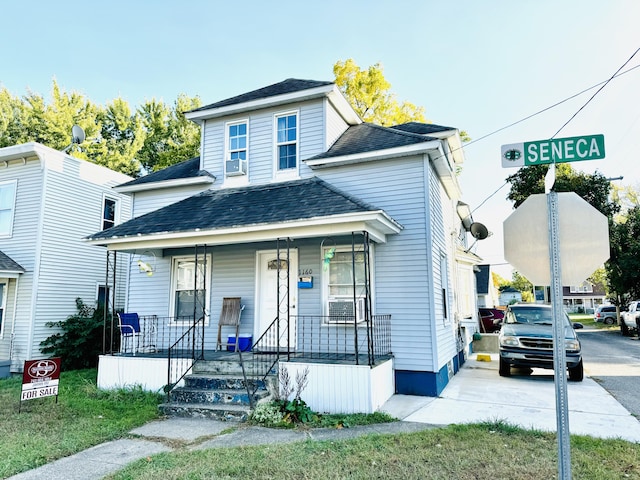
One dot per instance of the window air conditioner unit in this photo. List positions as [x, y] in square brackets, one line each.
[236, 167]
[341, 311]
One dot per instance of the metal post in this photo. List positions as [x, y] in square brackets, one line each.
[559, 354]
[355, 298]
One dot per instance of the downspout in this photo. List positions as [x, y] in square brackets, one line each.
[37, 261]
[429, 241]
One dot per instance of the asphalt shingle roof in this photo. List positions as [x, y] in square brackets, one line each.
[7, 264]
[367, 137]
[290, 85]
[186, 169]
[421, 128]
[239, 207]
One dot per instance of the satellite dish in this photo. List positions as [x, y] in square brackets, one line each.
[479, 231]
[77, 134]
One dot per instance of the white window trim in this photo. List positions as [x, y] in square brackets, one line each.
[172, 289]
[326, 298]
[5, 291]
[116, 214]
[9, 234]
[444, 288]
[289, 173]
[235, 179]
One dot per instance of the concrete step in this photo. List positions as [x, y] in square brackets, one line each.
[192, 396]
[226, 412]
[225, 382]
[232, 367]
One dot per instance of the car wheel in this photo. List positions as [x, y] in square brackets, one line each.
[624, 329]
[576, 374]
[608, 321]
[505, 369]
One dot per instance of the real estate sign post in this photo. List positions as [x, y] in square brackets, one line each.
[40, 379]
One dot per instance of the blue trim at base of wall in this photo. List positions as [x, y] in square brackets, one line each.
[426, 384]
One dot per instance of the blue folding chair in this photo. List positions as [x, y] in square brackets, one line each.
[129, 325]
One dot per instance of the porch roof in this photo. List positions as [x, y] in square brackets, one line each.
[9, 267]
[301, 208]
[184, 173]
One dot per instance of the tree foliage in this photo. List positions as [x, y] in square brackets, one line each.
[369, 93]
[127, 140]
[623, 266]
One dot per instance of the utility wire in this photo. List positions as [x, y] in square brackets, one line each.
[596, 93]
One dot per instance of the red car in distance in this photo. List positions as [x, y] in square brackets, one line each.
[490, 319]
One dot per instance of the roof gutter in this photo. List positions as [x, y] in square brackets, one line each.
[181, 182]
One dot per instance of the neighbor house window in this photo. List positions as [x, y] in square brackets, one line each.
[7, 207]
[586, 287]
[188, 288]
[236, 158]
[287, 141]
[341, 267]
[108, 213]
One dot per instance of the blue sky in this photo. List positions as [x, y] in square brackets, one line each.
[475, 65]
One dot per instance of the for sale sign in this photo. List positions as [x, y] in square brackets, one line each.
[40, 378]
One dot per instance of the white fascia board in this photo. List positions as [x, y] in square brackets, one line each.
[446, 174]
[272, 101]
[404, 151]
[466, 257]
[10, 273]
[455, 143]
[181, 182]
[378, 224]
[343, 107]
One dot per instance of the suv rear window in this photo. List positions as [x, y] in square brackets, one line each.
[608, 309]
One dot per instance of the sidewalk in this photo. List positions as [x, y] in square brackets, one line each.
[476, 394]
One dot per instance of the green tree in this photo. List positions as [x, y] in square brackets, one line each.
[171, 138]
[623, 266]
[595, 189]
[370, 95]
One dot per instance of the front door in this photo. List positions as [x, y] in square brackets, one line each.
[269, 305]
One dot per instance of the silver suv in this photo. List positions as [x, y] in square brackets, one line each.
[606, 314]
[526, 340]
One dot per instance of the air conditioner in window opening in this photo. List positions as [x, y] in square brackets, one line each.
[341, 311]
[236, 167]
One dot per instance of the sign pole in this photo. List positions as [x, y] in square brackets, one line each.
[559, 354]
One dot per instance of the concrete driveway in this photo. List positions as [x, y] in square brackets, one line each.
[477, 393]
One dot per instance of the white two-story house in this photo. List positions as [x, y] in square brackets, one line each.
[49, 201]
[341, 238]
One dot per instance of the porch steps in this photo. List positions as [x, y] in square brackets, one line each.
[216, 389]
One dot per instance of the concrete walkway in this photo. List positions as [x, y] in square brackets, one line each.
[476, 394]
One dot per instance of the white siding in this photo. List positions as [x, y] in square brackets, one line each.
[403, 286]
[335, 125]
[151, 200]
[261, 140]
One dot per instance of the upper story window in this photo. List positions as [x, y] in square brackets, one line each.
[586, 287]
[287, 142]
[108, 213]
[7, 207]
[236, 157]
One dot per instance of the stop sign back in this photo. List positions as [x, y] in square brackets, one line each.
[583, 232]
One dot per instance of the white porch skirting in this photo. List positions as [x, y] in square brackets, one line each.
[336, 388]
[125, 372]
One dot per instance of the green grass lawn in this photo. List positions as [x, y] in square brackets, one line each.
[84, 416]
[482, 451]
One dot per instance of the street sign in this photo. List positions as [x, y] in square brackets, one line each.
[557, 150]
[583, 239]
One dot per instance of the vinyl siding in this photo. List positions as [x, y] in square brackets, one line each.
[261, 146]
[151, 200]
[403, 285]
[69, 267]
[336, 125]
[21, 247]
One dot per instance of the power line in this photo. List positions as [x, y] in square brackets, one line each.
[596, 93]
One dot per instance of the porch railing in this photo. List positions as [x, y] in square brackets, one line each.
[320, 338]
[183, 354]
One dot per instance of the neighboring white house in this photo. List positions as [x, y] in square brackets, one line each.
[510, 295]
[361, 218]
[49, 201]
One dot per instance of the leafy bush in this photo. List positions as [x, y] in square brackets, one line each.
[79, 340]
[268, 414]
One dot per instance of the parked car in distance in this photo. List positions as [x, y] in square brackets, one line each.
[606, 314]
[630, 319]
[526, 340]
[490, 319]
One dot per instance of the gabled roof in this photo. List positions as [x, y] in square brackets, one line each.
[243, 207]
[290, 85]
[421, 128]
[368, 137]
[8, 265]
[186, 170]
